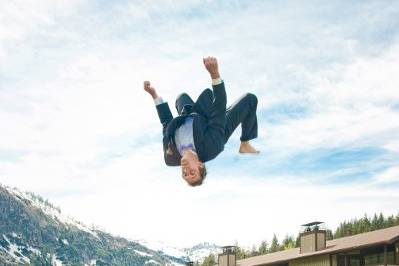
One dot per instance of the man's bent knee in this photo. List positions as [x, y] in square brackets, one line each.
[181, 95]
[252, 98]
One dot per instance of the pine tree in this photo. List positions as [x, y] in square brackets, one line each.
[264, 247]
[329, 235]
[365, 225]
[390, 221]
[288, 243]
[254, 251]
[275, 246]
[209, 260]
[298, 241]
[240, 252]
[381, 221]
[374, 223]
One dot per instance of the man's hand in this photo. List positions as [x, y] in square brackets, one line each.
[211, 64]
[150, 90]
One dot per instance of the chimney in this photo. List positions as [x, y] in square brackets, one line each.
[312, 237]
[228, 257]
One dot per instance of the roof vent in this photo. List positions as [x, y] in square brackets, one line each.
[312, 237]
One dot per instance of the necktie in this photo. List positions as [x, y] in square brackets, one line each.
[185, 147]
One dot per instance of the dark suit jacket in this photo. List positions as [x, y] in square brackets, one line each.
[209, 113]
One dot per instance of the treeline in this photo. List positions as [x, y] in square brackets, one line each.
[346, 228]
[366, 224]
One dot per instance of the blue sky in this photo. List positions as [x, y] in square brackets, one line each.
[78, 129]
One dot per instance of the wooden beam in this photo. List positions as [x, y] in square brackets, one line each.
[385, 256]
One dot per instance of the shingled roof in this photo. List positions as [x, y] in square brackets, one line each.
[383, 236]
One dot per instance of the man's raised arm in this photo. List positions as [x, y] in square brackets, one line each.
[163, 110]
[218, 112]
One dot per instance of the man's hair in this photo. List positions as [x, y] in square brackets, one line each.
[203, 172]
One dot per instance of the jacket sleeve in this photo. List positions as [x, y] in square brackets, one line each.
[217, 119]
[171, 159]
[165, 115]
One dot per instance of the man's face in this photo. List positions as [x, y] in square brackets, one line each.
[190, 166]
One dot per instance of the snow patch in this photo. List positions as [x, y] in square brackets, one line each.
[15, 251]
[92, 263]
[162, 247]
[195, 253]
[152, 262]
[141, 253]
[200, 251]
[55, 261]
[35, 251]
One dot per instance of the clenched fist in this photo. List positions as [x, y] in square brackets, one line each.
[149, 89]
[211, 64]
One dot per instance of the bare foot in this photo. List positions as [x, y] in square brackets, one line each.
[246, 147]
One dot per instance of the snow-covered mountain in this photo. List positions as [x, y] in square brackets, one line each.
[200, 251]
[195, 253]
[34, 232]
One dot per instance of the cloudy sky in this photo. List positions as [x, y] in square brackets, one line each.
[78, 129]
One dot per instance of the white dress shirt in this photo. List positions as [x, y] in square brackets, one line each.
[184, 136]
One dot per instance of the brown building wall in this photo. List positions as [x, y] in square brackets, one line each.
[232, 260]
[227, 260]
[308, 242]
[321, 240]
[334, 261]
[323, 260]
[223, 260]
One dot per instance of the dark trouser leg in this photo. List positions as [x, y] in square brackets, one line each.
[242, 111]
[182, 100]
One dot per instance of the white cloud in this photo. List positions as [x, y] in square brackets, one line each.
[391, 175]
[348, 105]
[19, 19]
[392, 145]
[369, 80]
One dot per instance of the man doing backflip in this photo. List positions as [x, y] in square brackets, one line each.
[201, 129]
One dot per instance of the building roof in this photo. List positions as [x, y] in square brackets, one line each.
[312, 223]
[383, 236]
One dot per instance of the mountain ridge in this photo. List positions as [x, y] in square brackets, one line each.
[35, 232]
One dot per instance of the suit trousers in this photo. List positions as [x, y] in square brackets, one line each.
[243, 112]
[181, 101]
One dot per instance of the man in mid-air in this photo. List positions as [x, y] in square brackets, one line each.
[202, 128]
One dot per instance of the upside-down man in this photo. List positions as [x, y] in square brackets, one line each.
[201, 129]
